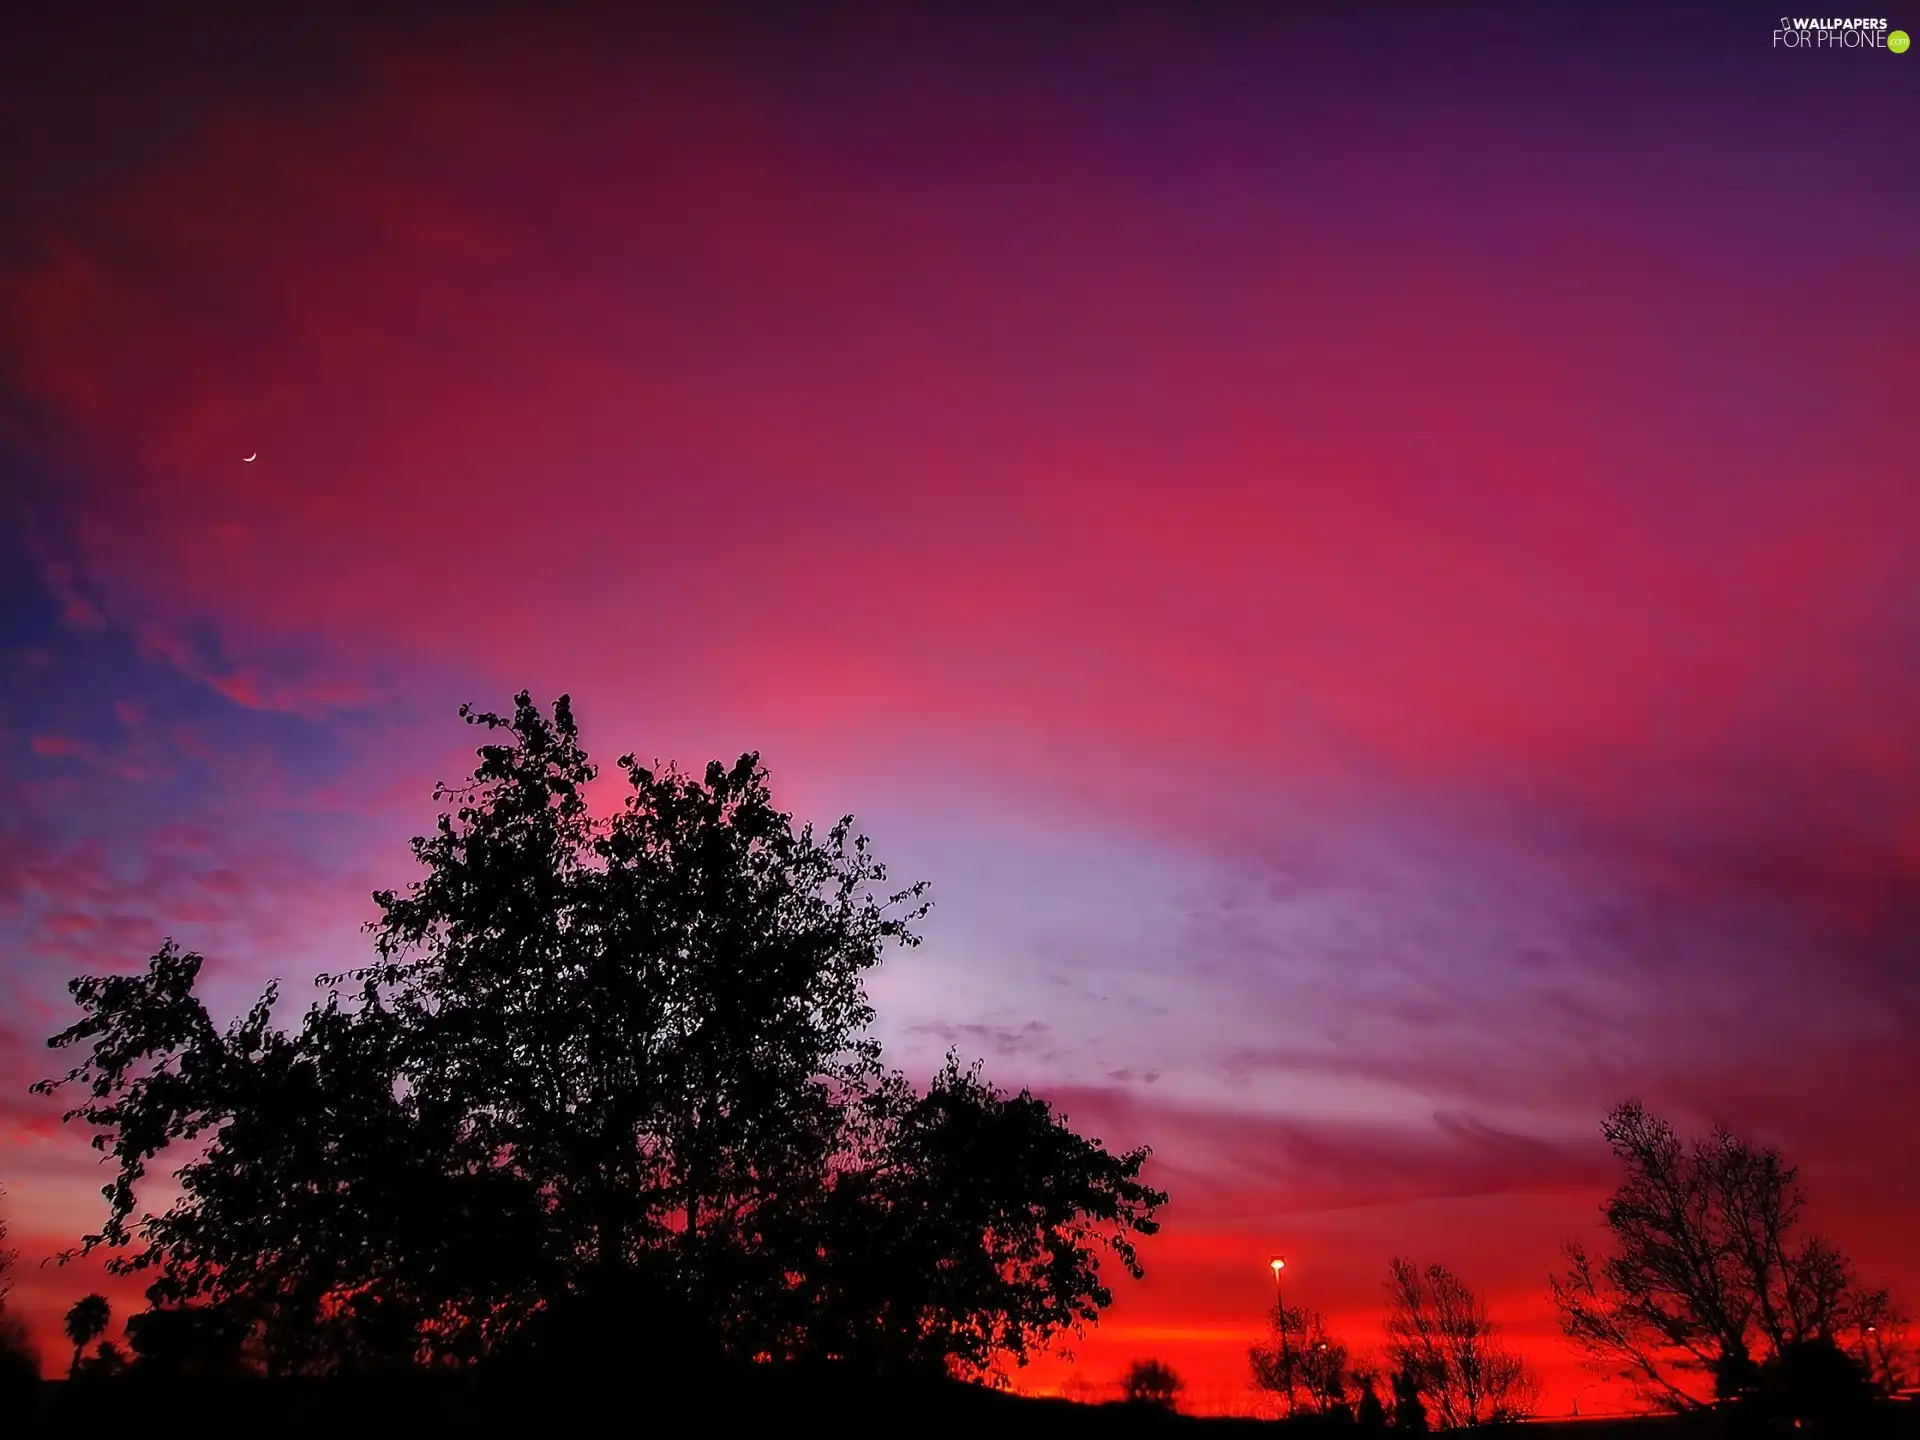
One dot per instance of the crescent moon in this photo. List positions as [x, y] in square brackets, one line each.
[252, 457]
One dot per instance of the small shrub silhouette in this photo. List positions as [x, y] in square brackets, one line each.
[1152, 1382]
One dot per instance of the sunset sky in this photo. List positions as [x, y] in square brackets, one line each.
[1372, 558]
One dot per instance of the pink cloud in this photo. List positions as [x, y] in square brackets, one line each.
[76, 610]
[250, 686]
[1229, 1166]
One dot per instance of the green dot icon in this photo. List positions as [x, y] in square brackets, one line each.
[1897, 41]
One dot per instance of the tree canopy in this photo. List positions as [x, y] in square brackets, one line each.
[603, 1074]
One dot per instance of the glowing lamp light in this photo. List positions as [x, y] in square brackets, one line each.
[1277, 1264]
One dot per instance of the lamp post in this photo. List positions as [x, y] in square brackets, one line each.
[1277, 1264]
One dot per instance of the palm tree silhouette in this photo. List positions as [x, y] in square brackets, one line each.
[86, 1323]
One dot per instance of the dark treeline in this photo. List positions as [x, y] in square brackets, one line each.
[604, 1100]
[1708, 1298]
[603, 1113]
[1446, 1365]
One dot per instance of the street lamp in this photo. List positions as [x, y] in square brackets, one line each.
[1277, 1264]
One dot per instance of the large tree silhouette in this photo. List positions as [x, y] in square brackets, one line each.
[603, 1074]
[1709, 1281]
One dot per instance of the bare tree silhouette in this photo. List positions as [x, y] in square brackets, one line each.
[1323, 1368]
[1440, 1339]
[1276, 1366]
[1312, 1363]
[1709, 1280]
